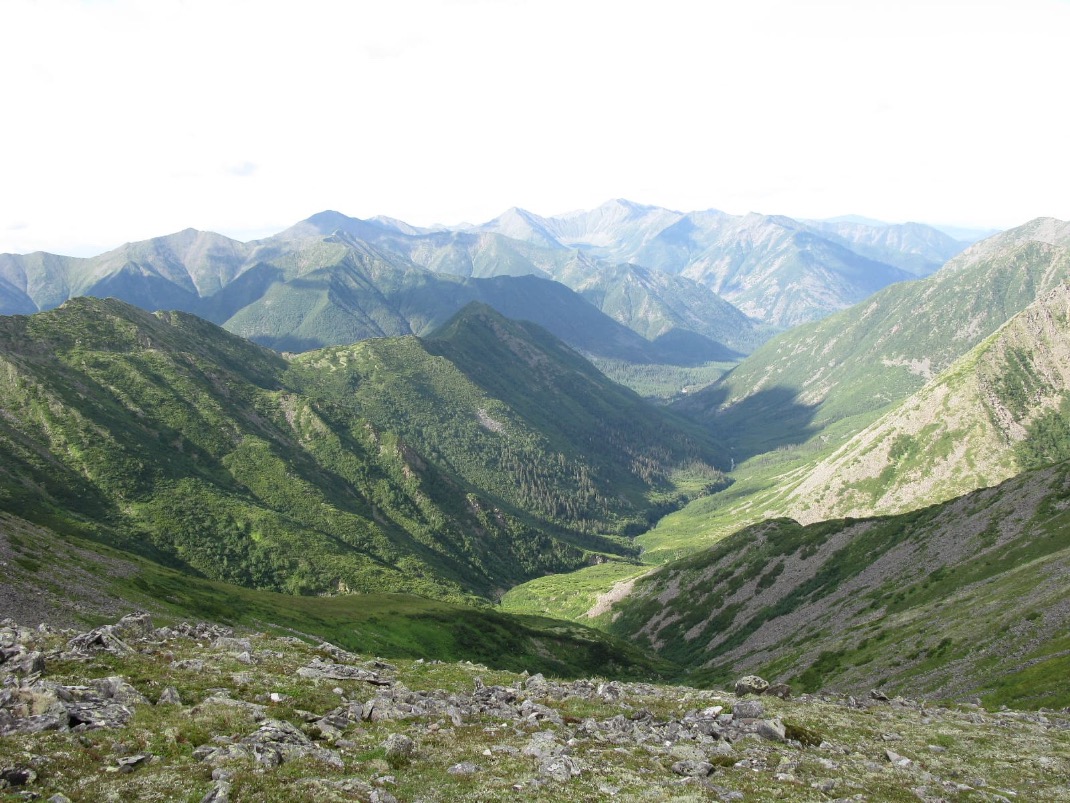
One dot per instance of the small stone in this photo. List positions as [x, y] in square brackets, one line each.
[464, 768]
[781, 690]
[169, 696]
[692, 769]
[877, 694]
[896, 759]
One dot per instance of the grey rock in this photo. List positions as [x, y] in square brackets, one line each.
[747, 709]
[692, 769]
[317, 669]
[192, 664]
[464, 768]
[542, 745]
[536, 683]
[119, 690]
[131, 763]
[134, 626]
[97, 716]
[560, 768]
[897, 760]
[751, 684]
[781, 690]
[232, 645]
[257, 711]
[272, 744]
[169, 696]
[771, 729]
[687, 752]
[220, 793]
[24, 662]
[102, 639]
[398, 745]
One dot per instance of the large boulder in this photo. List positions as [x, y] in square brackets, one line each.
[751, 684]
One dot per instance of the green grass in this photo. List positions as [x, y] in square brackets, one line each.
[571, 595]
[662, 381]
[398, 626]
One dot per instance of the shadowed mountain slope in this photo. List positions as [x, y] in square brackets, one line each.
[853, 364]
[378, 466]
[998, 410]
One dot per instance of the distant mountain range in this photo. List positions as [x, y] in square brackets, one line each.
[777, 270]
[692, 288]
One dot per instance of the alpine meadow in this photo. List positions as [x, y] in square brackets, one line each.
[626, 503]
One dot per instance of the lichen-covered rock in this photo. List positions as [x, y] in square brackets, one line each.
[751, 684]
[771, 729]
[692, 769]
[560, 768]
[398, 745]
[748, 709]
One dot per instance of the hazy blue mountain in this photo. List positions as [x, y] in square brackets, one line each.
[775, 269]
[913, 247]
[654, 304]
[305, 289]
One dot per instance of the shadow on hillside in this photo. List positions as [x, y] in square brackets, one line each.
[290, 343]
[763, 422]
[685, 348]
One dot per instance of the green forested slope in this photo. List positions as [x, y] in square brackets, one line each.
[164, 434]
[846, 368]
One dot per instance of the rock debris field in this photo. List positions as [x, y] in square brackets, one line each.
[197, 712]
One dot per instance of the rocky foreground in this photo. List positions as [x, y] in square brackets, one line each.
[198, 713]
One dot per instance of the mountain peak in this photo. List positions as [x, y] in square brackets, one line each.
[329, 218]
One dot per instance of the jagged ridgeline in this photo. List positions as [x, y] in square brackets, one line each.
[459, 465]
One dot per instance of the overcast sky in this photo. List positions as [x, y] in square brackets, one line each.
[127, 119]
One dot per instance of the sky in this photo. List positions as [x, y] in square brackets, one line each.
[128, 119]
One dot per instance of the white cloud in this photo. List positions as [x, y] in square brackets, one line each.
[128, 119]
